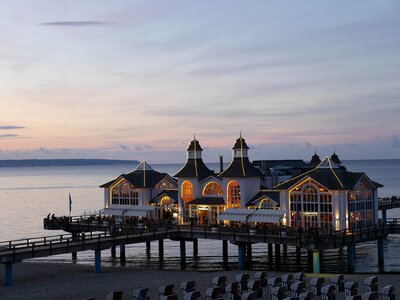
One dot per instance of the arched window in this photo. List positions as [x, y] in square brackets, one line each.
[165, 201]
[187, 191]
[213, 189]
[311, 205]
[233, 194]
[268, 204]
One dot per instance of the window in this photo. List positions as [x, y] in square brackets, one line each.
[311, 206]
[124, 194]
[165, 201]
[361, 206]
[233, 194]
[187, 191]
[267, 203]
[213, 189]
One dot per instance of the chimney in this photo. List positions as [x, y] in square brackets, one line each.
[221, 163]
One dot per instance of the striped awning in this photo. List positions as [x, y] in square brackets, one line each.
[235, 214]
[112, 211]
[138, 211]
[245, 215]
[267, 216]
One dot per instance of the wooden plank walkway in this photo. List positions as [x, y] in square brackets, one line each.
[18, 250]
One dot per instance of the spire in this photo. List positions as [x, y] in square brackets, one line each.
[335, 158]
[315, 160]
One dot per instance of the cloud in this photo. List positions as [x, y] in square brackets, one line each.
[76, 23]
[125, 147]
[44, 150]
[395, 141]
[10, 127]
[8, 135]
[138, 148]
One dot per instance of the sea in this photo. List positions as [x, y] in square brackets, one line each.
[29, 194]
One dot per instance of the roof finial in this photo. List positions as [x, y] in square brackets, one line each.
[194, 136]
[334, 150]
[315, 151]
[240, 134]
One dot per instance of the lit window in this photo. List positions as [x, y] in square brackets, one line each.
[233, 194]
[187, 191]
[213, 189]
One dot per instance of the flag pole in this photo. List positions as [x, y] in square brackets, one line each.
[70, 205]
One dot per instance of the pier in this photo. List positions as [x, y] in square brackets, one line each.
[16, 251]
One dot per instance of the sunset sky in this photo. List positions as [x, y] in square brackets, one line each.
[136, 79]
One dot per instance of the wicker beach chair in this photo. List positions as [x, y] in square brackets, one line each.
[116, 295]
[140, 294]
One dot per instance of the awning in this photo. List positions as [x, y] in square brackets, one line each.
[245, 215]
[267, 216]
[235, 214]
[138, 211]
[112, 211]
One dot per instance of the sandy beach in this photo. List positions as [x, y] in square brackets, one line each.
[34, 280]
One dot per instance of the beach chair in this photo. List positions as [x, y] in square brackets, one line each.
[328, 292]
[249, 296]
[371, 284]
[300, 276]
[350, 288]
[306, 296]
[338, 281]
[263, 275]
[233, 291]
[273, 282]
[291, 298]
[278, 293]
[242, 279]
[387, 292]
[116, 295]
[140, 294]
[256, 287]
[297, 288]
[187, 287]
[214, 293]
[370, 296]
[165, 290]
[316, 284]
[192, 295]
[287, 280]
[220, 281]
[355, 297]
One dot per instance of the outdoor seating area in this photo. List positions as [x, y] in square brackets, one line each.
[261, 286]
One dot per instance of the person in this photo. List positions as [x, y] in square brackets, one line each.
[83, 236]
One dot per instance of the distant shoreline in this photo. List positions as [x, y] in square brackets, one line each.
[63, 162]
[109, 162]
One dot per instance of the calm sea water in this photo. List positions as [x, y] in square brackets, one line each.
[27, 195]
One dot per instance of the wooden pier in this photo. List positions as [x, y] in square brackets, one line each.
[15, 251]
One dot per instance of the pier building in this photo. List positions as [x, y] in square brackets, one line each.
[318, 194]
[139, 193]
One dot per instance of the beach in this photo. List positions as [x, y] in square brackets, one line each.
[33, 280]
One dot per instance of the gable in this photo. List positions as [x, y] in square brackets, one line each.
[122, 183]
[167, 183]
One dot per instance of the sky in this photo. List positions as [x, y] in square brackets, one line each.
[136, 79]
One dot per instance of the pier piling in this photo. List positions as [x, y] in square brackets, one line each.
[161, 250]
[74, 255]
[113, 252]
[270, 253]
[148, 248]
[316, 261]
[381, 258]
[241, 255]
[97, 261]
[195, 248]
[183, 251]
[225, 251]
[9, 273]
[122, 253]
[351, 258]
[248, 253]
[278, 256]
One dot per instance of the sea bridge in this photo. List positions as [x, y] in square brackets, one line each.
[99, 236]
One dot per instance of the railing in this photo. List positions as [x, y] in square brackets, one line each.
[389, 202]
